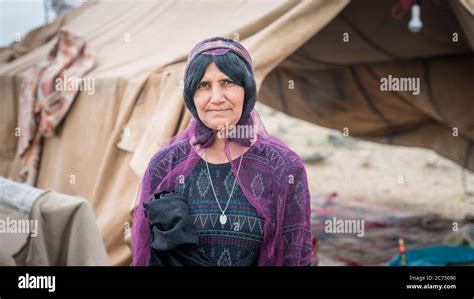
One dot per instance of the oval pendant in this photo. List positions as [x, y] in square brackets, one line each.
[223, 219]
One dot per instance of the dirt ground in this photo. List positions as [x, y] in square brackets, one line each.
[397, 176]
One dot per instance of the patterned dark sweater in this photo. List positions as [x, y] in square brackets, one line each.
[237, 243]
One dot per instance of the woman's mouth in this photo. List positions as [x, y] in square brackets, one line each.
[218, 110]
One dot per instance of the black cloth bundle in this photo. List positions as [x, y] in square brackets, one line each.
[175, 242]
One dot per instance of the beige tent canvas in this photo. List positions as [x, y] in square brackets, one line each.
[303, 65]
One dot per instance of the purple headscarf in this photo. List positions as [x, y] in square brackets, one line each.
[272, 178]
[218, 46]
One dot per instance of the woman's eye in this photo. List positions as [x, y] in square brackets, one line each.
[203, 85]
[228, 82]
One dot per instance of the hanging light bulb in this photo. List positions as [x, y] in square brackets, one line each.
[415, 23]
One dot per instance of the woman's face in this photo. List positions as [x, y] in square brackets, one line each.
[218, 100]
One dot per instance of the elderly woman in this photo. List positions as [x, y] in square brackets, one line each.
[223, 192]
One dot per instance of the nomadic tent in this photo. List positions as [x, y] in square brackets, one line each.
[317, 60]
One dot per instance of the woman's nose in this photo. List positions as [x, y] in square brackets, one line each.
[217, 96]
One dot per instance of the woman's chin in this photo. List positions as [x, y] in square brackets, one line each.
[218, 124]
